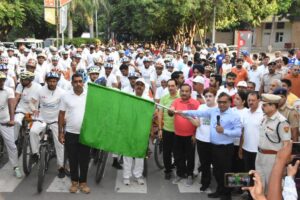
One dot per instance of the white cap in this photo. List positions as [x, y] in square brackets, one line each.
[140, 80]
[242, 84]
[199, 79]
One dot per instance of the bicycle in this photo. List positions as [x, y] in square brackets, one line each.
[100, 166]
[158, 152]
[47, 151]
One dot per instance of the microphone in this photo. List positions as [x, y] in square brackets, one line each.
[218, 120]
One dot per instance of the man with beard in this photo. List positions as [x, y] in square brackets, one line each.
[229, 87]
[241, 73]
[269, 77]
[47, 101]
[215, 81]
[71, 111]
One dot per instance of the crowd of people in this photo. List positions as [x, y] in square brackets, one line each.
[231, 113]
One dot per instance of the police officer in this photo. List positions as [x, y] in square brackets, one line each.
[289, 112]
[274, 133]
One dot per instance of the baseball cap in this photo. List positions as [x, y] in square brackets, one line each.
[280, 91]
[199, 79]
[140, 80]
[242, 84]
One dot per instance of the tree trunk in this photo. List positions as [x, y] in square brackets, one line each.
[70, 27]
[90, 22]
[272, 34]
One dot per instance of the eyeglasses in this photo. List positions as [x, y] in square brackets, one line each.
[208, 96]
[222, 102]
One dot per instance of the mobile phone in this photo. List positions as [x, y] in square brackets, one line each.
[233, 180]
[296, 148]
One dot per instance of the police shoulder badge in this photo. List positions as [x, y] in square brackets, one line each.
[286, 129]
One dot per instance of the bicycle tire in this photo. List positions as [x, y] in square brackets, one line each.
[27, 152]
[101, 166]
[1, 147]
[20, 141]
[42, 168]
[158, 153]
[145, 171]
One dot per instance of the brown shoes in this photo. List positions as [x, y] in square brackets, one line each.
[84, 188]
[74, 187]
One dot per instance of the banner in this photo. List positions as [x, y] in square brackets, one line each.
[49, 15]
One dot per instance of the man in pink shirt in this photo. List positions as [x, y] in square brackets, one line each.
[184, 140]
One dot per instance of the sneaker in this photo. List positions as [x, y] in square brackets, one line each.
[177, 180]
[126, 181]
[74, 187]
[18, 173]
[140, 181]
[84, 188]
[61, 173]
[116, 164]
[189, 181]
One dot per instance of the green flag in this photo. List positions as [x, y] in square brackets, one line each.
[116, 122]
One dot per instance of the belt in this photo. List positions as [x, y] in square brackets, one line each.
[266, 151]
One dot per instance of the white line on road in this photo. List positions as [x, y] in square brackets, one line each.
[8, 182]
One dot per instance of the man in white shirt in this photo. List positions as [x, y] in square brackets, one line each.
[255, 75]
[71, 110]
[7, 98]
[24, 98]
[65, 61]
[109, 76]
[138, 168]
[38, 74]
[146, 70]
[47, 101]
[9, 81]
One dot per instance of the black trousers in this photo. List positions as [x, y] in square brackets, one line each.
[79, 157]
[222, 156]
[184, 153]
[249, 160]
[237, 163]
[205, 156]
[168, 148]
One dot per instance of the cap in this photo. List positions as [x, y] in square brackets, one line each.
[140, 80]
[64, 52]
[55, 58]
[2, 75]
[26, 50]
[133, 75]
[242, 84]
[77, 55]
[280, 91]
[108, 65]
[42, 55]
[147, 51]
[92, 46]
[165, 78]
[199, 79]
[270, 98]
[208, 68]
[245, 53]
[53, 49]
[121, 52]
[185, 55]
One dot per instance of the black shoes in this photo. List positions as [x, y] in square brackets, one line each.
[34, 158]
[61, 173]
[214, 195]
[116, 164]
[168, 176]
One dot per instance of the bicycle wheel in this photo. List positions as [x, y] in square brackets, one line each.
[145, 172]
[1, 146]
[27, 152]
[101, 166]
[20, 141]
[42, 167]
[158, 153]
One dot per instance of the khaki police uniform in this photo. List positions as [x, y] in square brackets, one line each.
[273, 132]
[291, 114]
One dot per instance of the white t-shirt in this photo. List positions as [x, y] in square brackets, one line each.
[203, 131]
[255, 76]
[9, 82]
[146, 73]
[241, 113]
[159, 92]
[49, 103]
[74, 106]
[226, 68]
[5, 94]
[26, 96]
[110, 80]
[124, 81]
[251, 129]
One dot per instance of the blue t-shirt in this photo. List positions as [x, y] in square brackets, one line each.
[219, 59]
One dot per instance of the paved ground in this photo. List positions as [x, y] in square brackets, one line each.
[111, 187]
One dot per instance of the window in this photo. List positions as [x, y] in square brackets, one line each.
[280, 25]
[279, 37]
[268, 26]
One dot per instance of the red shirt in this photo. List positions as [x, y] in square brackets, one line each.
[182, 126]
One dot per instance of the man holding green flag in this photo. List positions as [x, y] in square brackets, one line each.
[118, 122]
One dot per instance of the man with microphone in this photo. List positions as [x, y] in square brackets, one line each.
[224, 127]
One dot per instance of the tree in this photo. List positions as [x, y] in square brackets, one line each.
[11, 15]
